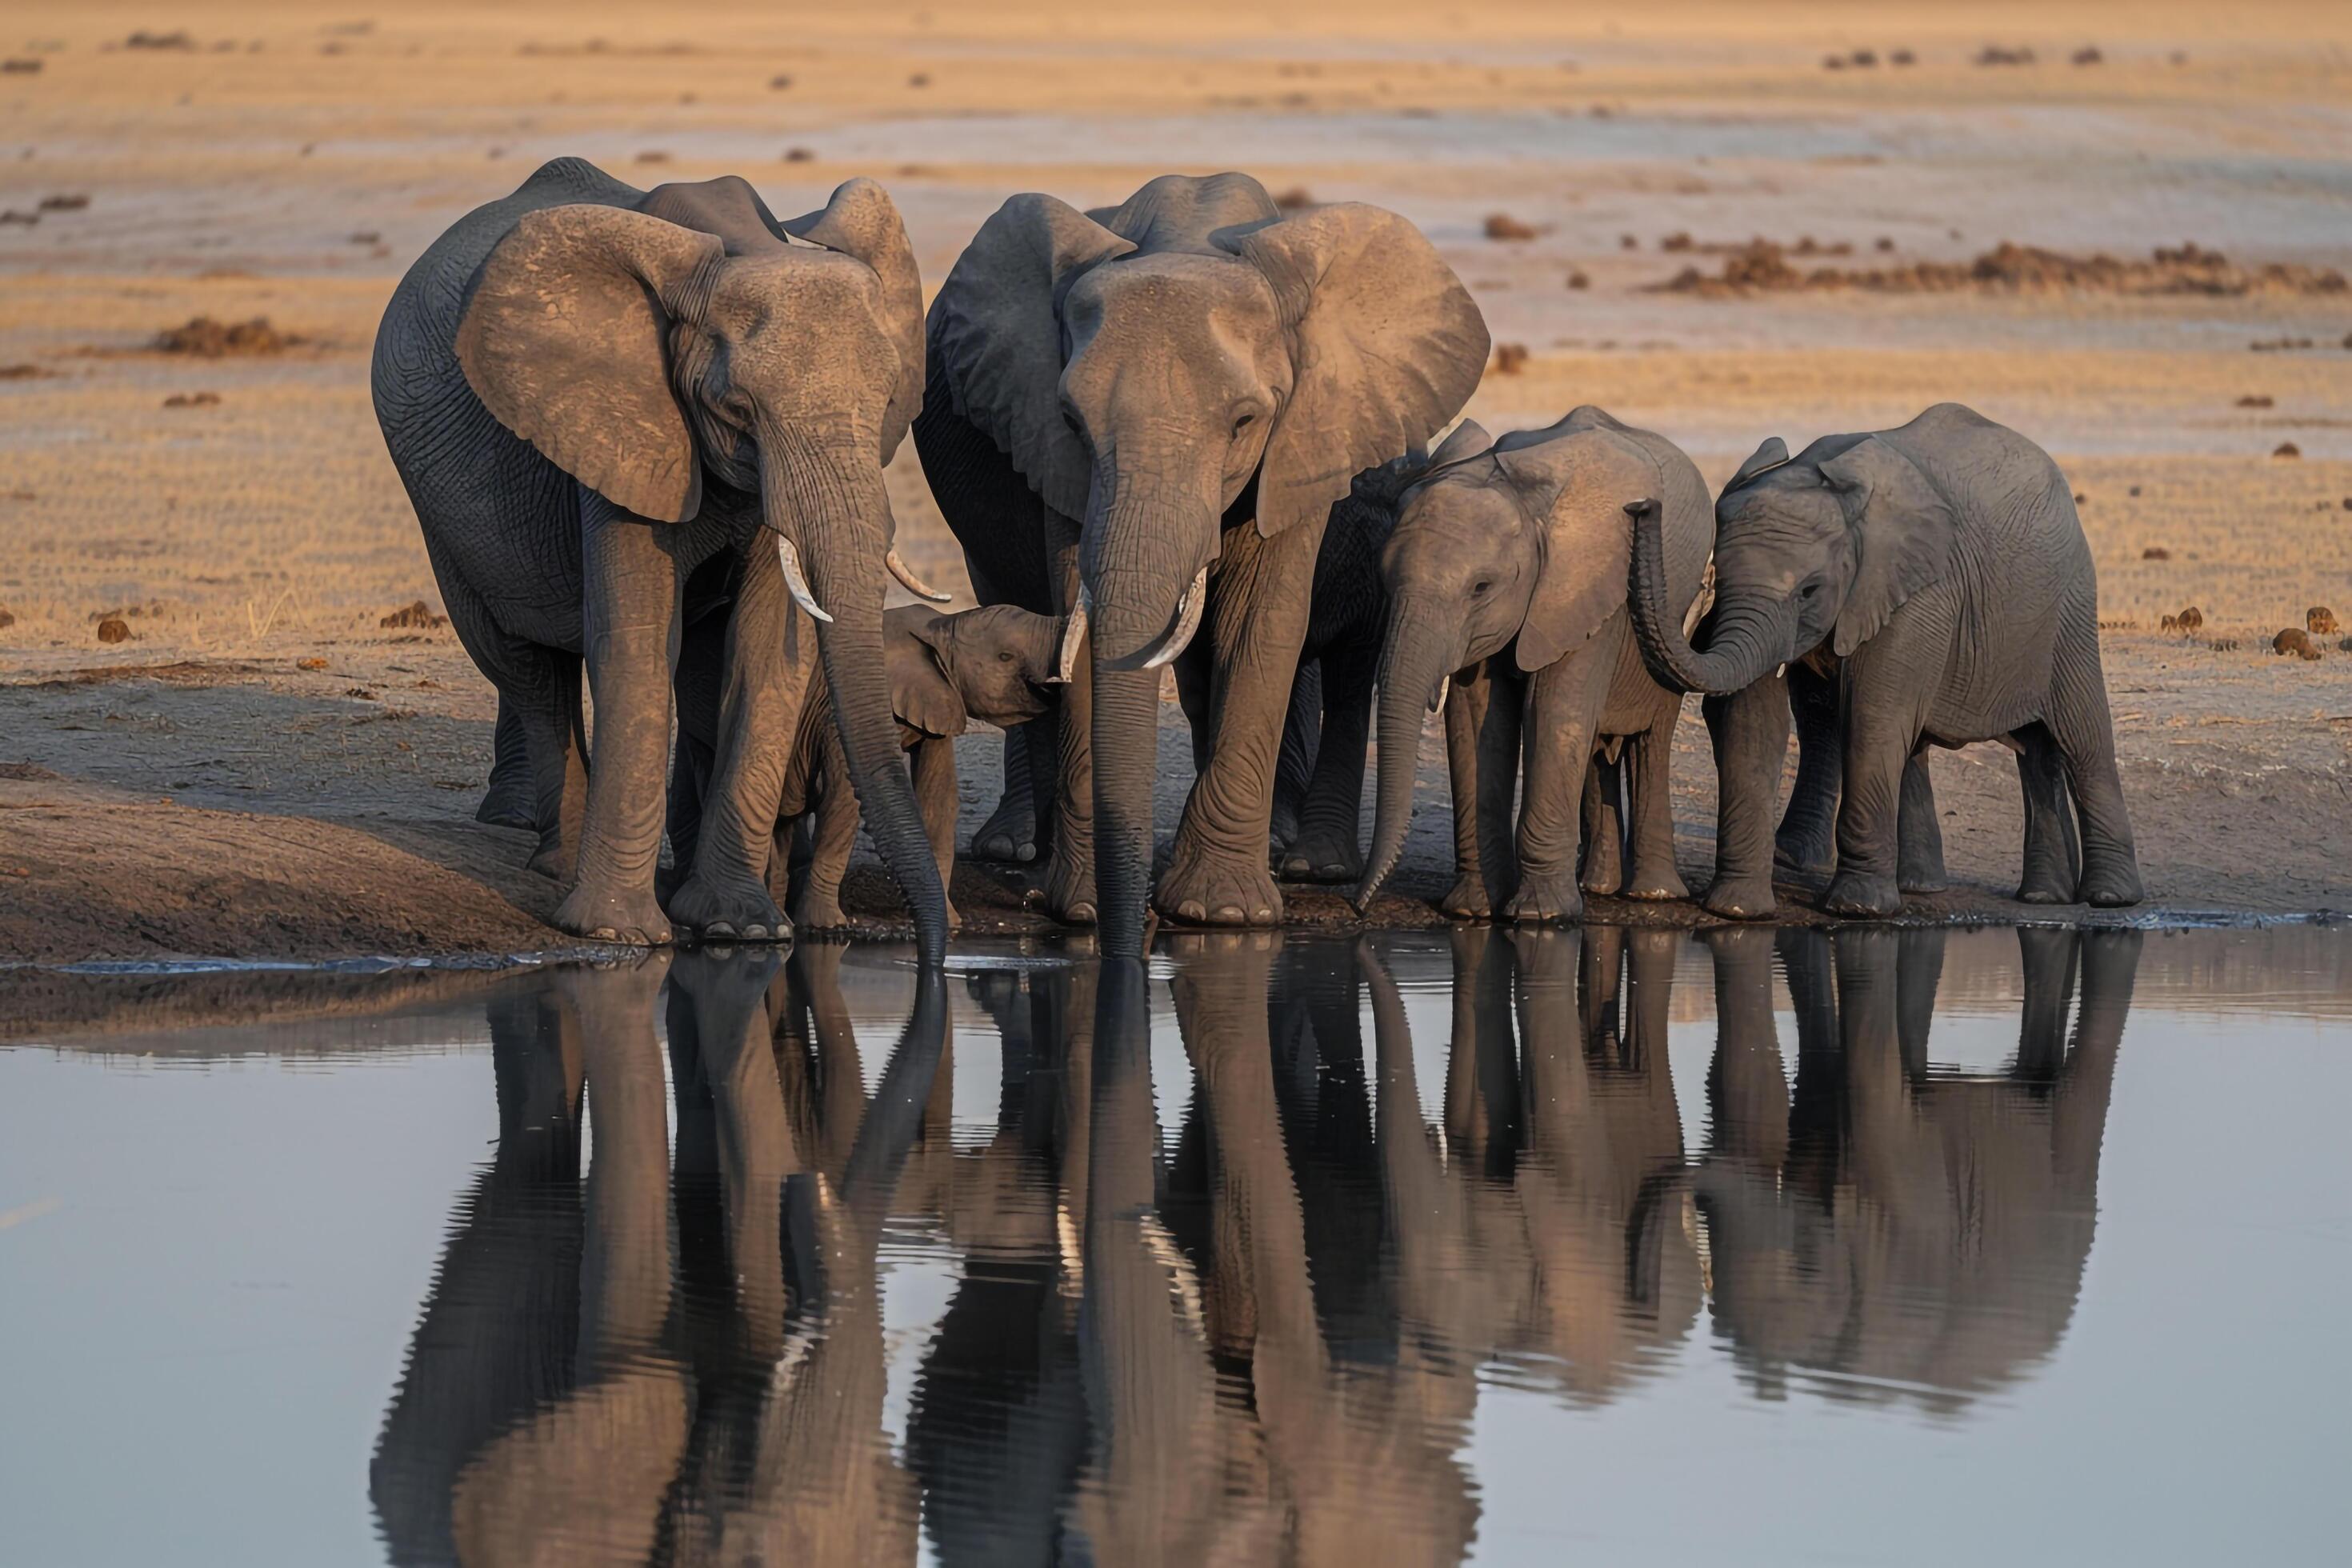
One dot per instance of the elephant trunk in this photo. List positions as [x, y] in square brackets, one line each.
[1142, 562]
[829, 500]
[1417, 656]
[1740, 647]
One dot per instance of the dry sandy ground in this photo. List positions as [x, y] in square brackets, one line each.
[195, 790]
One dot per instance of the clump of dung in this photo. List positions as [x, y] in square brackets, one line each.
[209, 339]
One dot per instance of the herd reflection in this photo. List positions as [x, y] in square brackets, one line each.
[1260, 1333]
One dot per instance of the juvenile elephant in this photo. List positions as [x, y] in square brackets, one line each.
[1506, 587]
[613, 408]
[1935, 575]
[1114, 399]
[997, 663]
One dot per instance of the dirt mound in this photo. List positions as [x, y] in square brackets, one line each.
[209, 339]
[1763, 266]
[419, 614]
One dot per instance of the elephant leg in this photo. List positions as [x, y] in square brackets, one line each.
[1806, 844]
[1919, 855]
[689, 779]
[631, 593]
[2086, 733]
[833, 834]
[1603, 862]
[512, 799]
[1482, 763]
[556, 742]
[1653, 874]
[1563, 707]
[1010, 833]
[1257, 622]
[769, 652]
[1329, 846]
[1070, 873]
[1882, 730]
[2053, 867]
[935, 797]
[1749, 732]
[1302, 731]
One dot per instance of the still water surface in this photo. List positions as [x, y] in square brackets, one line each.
[1760, 1246]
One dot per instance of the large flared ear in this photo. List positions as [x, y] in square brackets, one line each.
[1386, 346]
[996, 337]
[1577, 486]
[1463, 442]
[1904, 526]
[922, 693]
[1771, 455]
[861, 221]
[565, 339]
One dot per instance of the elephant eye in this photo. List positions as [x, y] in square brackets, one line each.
[1244, 423]
[1004, 656]
[1481, 586]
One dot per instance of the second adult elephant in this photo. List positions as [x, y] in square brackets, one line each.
[1936, 576]
[1114, 399]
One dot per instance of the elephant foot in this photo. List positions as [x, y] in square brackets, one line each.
[1545, 900]
[1285, 829]
[1922, 881]
[508, 809]
[1467, 900]
[1859, 893]
[2045, 884]
[1319, 856]
[630, 918]
[717, 911]
[1741, 899]
[1070, 889]
[2114, 885]
[1604, 868]
[1215, 889]
[1805, 857]
[819, 911]
[1654, 885]
[1007, 838]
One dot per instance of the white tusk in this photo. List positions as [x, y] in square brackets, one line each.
[1780, 672]
[1072, 633]
[1444, 687]
[912, 584]
[1703, 602]
[796, 583]
[1188, 621]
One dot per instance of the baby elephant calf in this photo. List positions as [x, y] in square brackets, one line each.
[992, 664]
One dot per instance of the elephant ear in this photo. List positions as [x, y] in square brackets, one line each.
[1904, 527]
[1771, 455]
[997, 336]
[1387, 345]
[921, 692]
[1465, 441]
[861, 221]
[565, 336]
[1577, 487]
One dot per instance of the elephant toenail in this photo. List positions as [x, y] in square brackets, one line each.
[1189, 910]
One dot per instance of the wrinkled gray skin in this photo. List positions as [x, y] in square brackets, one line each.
[1837, 1211]
[1114, 397]
[608, 405]
[1506, 577]
[997, 663]
[1935, 577]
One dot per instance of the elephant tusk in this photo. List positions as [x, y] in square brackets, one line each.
[802, 596]
[1072, 633]
[1444, 687]
[1780, 672]
[908, 581]
[1703, 602]
[1188, 621]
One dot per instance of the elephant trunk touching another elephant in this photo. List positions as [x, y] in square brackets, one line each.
[1747, 633]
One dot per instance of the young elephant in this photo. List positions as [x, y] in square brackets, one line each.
[995, 664]
[1937, 577]
[1507, 581]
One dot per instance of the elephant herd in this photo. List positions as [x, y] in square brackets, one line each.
[645, 434]
[1270, 1322]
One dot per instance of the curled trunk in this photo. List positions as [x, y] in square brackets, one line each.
[833, 502]
[1416, 656]
[1741, 648]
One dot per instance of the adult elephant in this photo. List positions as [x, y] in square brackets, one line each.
[1936, 576]
[591, 391]
[1115, 398]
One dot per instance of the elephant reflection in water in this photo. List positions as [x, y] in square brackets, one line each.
[1894, 1234]
[686, 1366]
